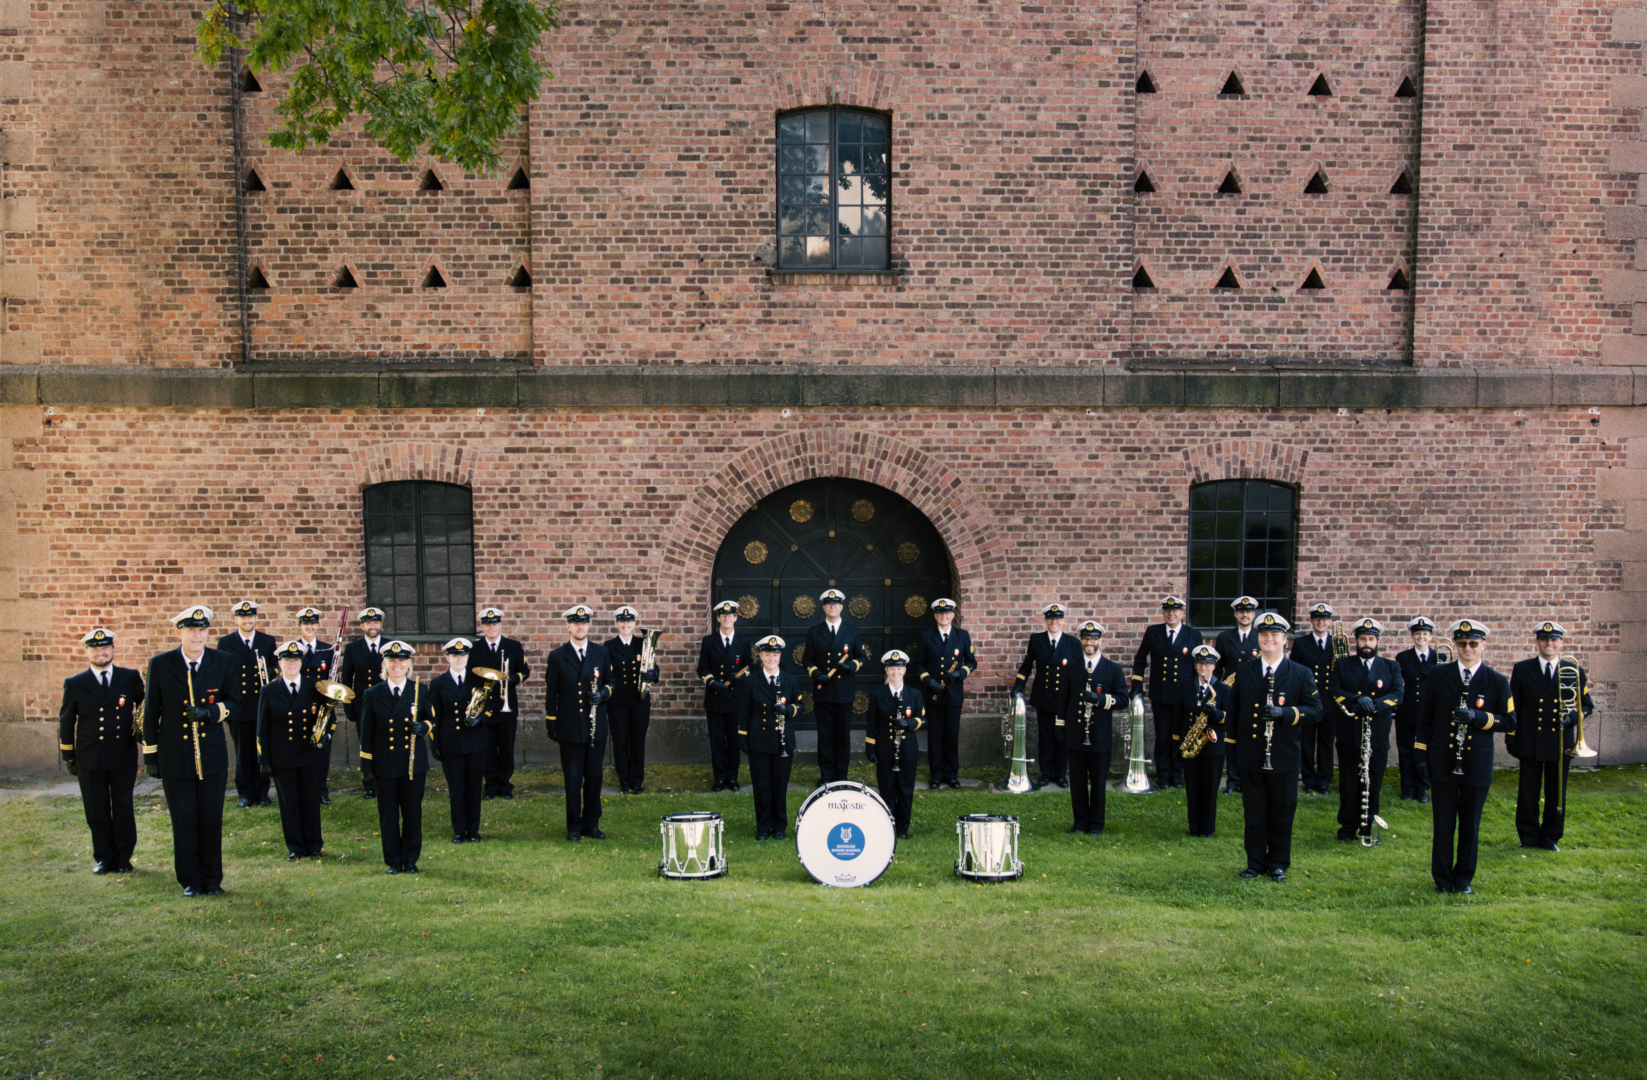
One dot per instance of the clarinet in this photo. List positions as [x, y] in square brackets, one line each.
[594, 704]
[1269, 725]
[1460, 732]
[1366, 781]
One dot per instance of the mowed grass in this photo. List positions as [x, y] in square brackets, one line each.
[1139, 953]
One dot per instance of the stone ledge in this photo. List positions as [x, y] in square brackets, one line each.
[795, 386]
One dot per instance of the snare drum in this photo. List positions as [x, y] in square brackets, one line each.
[844, 835]
[989, 847]
[692, 846]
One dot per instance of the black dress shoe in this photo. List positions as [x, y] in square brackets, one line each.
[392, 870]
[733, 786]
[1442, 889]
[1278, 876]
[456, 839]
[903, 836]
[1466, 890]
[124, 868]
[368, 794]
[1423, 796]
[313, 855]
[956, 784]
[1064, 784]
[635, 790]
[101, 869]
[474, 839]
[1073, 829]
[190, 890]
[1095, 832]
[508, 795]
[761, 836]
[932, 786]
[488, 797]
[325, 798]
[779, 836]
[265, 801]
[215, 890]
[1342, 839]
[573, 835]
[1551, 846]
[595, 834]
[1249, 872]
[244, 803]
[409, 868]
[291, 856]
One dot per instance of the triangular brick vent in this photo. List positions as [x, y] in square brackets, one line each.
[520, 181]
[1232, 87]
[1142, 280]
[249, 83]
[1320, 87]
[1312, 281]
[1146, 85]
[1406, 89]
[1403, 184]
[430, 181]
[1228, 280]
[256, 280]
[254, 181]
[345, 279]
[341, 182]
[1230, 185]
[1398, 281]
[521, 278]
[1143, 185]
[434, 279]
[1317, 184]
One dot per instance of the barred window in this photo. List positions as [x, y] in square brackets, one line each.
[834, 190]
[1241, 535]
[420, 557]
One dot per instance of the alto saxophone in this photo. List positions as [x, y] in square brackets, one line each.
[1269, 725]
[1196, 738]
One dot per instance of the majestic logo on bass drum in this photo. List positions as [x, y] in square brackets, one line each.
[846, 841]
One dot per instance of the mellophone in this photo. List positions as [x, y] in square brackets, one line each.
[844, 838]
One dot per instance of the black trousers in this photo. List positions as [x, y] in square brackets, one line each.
[581, 765]
[1268, 802]
[1201, 791]
[500, 756]
[106, 795]
[1088, 777]
[400, 819]
[943, 742]
[1169, 766]
[898, 788]
[769, 776]
[1406, 733]
[1548, 775]
[196, 810]
[1049, 747]
[1349, 788]
[368, 779]
[300, 807]
[1315, 750]
[465, 779]
[326, 774]
[1457, 809]
[628, 724]
[834, 738]
[723, 746]
[249, 782]
[1232, 770]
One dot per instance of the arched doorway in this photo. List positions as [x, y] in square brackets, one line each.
[869, 542]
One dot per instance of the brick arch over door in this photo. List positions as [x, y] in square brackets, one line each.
[927, 482]
[445, 462]
[1246, 459]
[834, 84]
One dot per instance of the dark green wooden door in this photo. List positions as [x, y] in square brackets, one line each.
[868, 542]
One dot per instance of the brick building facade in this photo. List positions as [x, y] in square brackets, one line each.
[1381, 255]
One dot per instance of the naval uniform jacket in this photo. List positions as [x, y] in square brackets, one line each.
[1415, 672]
[284, 721]
[317, 663]
[1107, 677]
[717, 661]
[627, 676]
[843, 652]
[449, 712]
[886, 711]
[483, 655]
[1233, 652]
[1490, 692]
[1352, 679]
[950, 661]
[94, 725]
[759, 712]
[1171, 667]
[1295, 695]
[243, 668]
[1539, 735]
[1319, 659]
[360, 670]
[168, 733]
[388, 749]
[1054, 669]
[567, 688]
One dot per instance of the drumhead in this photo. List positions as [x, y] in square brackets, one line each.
[989, 817]
[844, 835]
[701, 815]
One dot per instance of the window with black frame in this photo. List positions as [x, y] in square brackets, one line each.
[834, 190]
[420, 556]
[1241, 543]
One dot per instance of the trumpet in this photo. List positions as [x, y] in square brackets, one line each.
[262, 671]
[333, 692]
[503, 686]
[649, 662]
[489, 677]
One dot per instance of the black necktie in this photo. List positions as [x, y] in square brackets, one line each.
[1549, 670]
[103, 677]
[1268, 671]
[293, 687]
[774, 682]
[580, 656]
[193, 667]
[394, 692]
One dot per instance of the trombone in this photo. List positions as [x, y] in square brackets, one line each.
[1570, 699]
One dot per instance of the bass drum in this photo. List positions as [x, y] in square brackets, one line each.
[844, 835]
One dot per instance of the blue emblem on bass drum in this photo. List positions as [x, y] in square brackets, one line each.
[846, 842]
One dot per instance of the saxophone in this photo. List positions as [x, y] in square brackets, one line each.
[1196, 738]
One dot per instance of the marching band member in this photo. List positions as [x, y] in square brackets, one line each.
[577, 685]
[1165, 651]
[1415, 664]
[1054, 658]
[1314, 651]
[460, 739]
[317, 665]
[1208, 703]
[244, 648]
[833, 656]
[766, 712]
[943, 660]
[630, 710]
[1364, 686]
[723, 660]
[189, 695]
[1086, 728]
[896, 713]
[1544, 737]
[360, 670]
[95, 732]
[1465, 705]
[493, 650]
[1236, 646]
[286, 713]
[1269, 702]
[393, 720]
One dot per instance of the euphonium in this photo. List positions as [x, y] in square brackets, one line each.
[1137, 780]
[1015, 733]
[649, 660]
[1196, 738]
[489, 677]
[333, 692]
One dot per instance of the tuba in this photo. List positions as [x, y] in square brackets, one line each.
[1137, 780]
[1015, 734]
[648, 659]
[333, 692]
[489, 677]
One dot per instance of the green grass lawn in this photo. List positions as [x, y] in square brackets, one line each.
[1139, 953]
